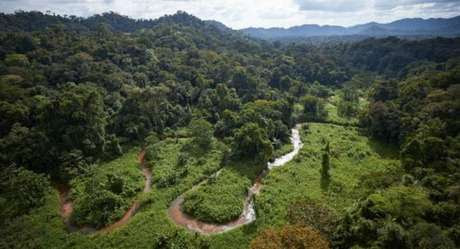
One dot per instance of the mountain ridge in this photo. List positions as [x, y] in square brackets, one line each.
[409, 27]
[404, 27]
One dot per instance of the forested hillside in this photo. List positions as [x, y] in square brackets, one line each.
[207, 108]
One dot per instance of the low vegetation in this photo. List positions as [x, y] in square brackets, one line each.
[352, 156]
[105, 193]
[220, 199]
[290, 237]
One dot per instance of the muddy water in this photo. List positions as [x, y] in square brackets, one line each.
[248, 215]
[66, 205]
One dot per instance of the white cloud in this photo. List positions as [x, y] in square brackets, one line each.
[257, 13]
[332, 6]
[393, 4]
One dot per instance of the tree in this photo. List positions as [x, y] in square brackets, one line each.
[20, 191]
[76, 119]
[244, 83]
[252, 141]
[427, 235]
[348, 103]
[202, 132]
[325, 167]
[385, 90]
[227, 124]
[16, 60]
[383, 121]
[313, 108]
[383, 219]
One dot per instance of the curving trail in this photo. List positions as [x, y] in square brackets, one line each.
[248, 215]
[66, 204]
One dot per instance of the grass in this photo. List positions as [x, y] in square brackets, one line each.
[352, 157]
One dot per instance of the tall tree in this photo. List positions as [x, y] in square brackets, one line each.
[325, 167]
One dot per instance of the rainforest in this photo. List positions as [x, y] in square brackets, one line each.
[177, 132]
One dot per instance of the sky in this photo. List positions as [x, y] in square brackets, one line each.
[252, 13]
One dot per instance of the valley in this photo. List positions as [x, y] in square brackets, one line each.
[181, 133]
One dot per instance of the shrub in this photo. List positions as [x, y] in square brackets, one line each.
[220, 200]
[290, 237]
[309, 213]
[20, 191]
[401, 202]
[105, 193]
[427, 236]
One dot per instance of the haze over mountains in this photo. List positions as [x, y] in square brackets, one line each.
[447, 27]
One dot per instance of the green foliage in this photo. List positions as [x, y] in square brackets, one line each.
[418, 113]
[400, 202]
[313, 214]
[172, 161]
[383, 120]
[166, 162]
[20, 191]
[74, 91]
[104, 194]
[388, 219]
[336, 107]
[282, 149]
[16, 60]
[220, 199]
[252, 141]
[348, 106]
[425, 235]
[325, 167]
[313, 108]
[202, 132]
[353, 157]
[290, 237]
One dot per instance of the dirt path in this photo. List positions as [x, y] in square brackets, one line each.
[248, 215]
[66, 205]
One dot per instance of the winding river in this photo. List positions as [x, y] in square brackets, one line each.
[175, 211]
[66, 204]
[248, 215]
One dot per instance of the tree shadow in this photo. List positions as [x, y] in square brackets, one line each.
[384, 150]
[247, 167]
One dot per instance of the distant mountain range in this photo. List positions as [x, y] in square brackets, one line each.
[406, 28]
[447, 27]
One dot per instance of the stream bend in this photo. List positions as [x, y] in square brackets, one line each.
[248, 215]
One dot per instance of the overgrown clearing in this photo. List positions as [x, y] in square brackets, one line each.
[105, 192]
[353, 156]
